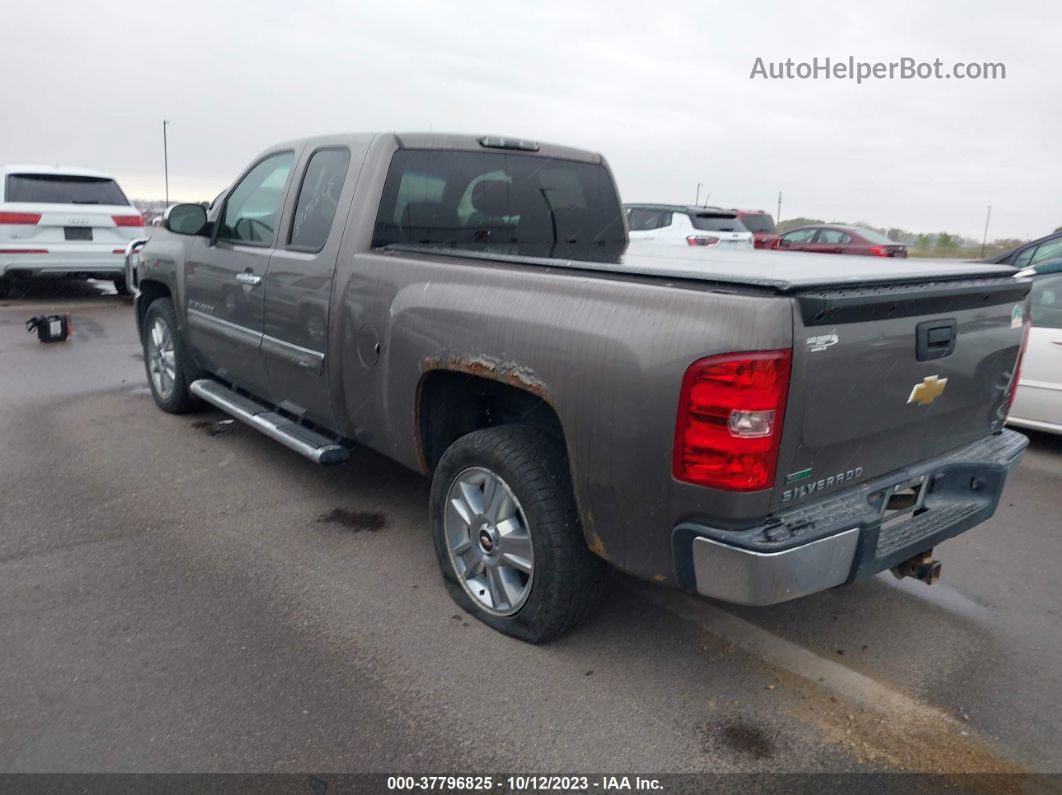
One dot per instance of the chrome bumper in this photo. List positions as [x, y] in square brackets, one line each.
[846, 536]
[746, 577]
[132, 252]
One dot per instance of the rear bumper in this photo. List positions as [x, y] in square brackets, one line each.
[91, 258]
[843, 538]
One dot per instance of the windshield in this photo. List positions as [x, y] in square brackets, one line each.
[504, 203]
[717, 222]
[62, 189]
[758, 222]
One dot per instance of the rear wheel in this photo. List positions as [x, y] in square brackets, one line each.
[120, 286]
[507, 533]
[165, 359]
[5, 286]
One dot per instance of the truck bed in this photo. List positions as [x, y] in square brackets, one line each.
[780, 272]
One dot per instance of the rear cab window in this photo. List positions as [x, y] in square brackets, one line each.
[758, 222]
[499, 202]
[62, 189]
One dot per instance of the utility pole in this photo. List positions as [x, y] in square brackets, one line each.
[166, 160]
[697, 201]
[778, 216]
[984, 240]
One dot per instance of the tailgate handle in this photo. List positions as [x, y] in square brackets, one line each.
[935, 339]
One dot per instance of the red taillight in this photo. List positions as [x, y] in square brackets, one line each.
[20, 218]
[118, 251]
[23, 251]
[701, 240]
[729, 422]
[128, 220]
[879, 251]
[1017, 368]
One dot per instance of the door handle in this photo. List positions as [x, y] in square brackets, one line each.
[249, 279]
[1057, 342]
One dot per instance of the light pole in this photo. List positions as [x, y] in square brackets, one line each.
[778, 215]
[697, 201]
[984, 240]
[166, 160]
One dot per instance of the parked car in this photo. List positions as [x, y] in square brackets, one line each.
[833, 239]
[464, 306]
[63, 222]
[682, 225]
[1038, 404]
[761, 224]
[1046, 248]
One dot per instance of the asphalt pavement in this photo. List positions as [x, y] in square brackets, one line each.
[181, 594]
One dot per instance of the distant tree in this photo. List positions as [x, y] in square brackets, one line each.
[923, 241]
[946, 241]
[793, 223]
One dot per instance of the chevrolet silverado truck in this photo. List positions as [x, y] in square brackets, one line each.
[750, 427]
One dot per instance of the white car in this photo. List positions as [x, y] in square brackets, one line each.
[63, 221]
[1038, 403]
[680, 225]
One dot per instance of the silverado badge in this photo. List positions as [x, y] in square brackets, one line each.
[930, 389]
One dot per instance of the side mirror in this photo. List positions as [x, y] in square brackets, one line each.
[185, 219]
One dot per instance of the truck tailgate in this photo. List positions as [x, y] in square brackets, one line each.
[886, 376]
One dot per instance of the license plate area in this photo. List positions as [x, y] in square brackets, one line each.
[901, 501]
[77, 232]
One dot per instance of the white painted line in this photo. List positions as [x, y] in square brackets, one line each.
[795, 659]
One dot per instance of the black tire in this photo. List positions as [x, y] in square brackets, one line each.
[5, 286]
[567, 578]
[119, 285]
[179, 400]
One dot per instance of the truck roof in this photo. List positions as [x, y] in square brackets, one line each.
[456, 141]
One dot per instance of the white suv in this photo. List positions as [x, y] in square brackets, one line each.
[687, 226]
[63, 221]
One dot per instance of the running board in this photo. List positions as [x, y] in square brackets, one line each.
[318, 448]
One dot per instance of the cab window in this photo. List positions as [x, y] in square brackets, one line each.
[315, 210]
[642, 220]
[1046, 301]
[833, 237]
[1049, 249]
[252, 207]
[799, 235]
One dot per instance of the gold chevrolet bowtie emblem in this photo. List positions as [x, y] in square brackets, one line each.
[929, 390]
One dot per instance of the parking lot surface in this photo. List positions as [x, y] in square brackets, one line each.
[182, 594]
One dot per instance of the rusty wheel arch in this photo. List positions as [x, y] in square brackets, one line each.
[458, 394]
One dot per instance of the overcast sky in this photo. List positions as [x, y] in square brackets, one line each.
[661, 88]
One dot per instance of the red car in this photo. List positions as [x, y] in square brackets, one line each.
[761, 225]
[833, 239]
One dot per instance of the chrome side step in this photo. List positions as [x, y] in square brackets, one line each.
[318, 448]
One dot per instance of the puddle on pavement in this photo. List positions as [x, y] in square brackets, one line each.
[740, 737]
[355, 521]
[218, 427]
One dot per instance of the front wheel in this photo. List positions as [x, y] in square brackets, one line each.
[165, 359]
[507, 533]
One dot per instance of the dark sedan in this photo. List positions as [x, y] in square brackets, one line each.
[1027, 255]
[834, 239]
